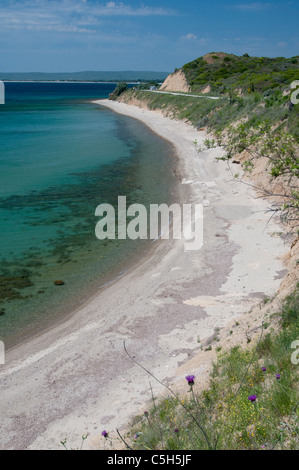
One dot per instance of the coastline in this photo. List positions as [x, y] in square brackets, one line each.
[78, 373]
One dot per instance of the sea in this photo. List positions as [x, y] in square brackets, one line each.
[61, 155]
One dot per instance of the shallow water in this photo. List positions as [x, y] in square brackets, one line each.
[62, 156]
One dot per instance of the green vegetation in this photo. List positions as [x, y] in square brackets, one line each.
[120, 88]
[281, 150]
[148, 85]
[251, 401]
[227, 72]
[179, 106]
[254, 112]
[217, 115]
[255, 88]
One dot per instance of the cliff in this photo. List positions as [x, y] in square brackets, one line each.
[176, 81]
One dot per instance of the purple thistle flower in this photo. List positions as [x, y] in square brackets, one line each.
[105, 434]
[146, 413]
[176, 430]
[252, 398]
[264, 369]
[190, 379]
[278, 376]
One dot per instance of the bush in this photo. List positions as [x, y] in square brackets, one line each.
[120, 88]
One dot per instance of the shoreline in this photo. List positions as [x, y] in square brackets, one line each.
[78, 373]
[46, 312]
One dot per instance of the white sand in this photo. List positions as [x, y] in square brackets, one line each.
[76, 378]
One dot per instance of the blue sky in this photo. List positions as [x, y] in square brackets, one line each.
[77, 35]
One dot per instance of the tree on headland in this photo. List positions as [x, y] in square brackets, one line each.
[119, 89]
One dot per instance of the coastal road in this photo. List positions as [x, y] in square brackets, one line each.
[184, 94]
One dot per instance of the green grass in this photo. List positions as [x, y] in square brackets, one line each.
[179, 106]
[222, 416]
[217, 115]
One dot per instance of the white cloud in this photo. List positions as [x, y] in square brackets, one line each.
[121, 9]
[193, 39]
[282, 44]
[189, 37]
[255, 6]
[68, 15]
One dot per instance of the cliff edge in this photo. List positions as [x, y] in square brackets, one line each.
[176, 81]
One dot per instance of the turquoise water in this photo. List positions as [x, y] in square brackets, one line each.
[61, 156]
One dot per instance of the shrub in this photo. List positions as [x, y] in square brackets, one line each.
[120, 88]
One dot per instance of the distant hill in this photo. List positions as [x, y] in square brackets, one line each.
[127, 76]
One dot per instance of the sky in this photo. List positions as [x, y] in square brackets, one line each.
[156, 35]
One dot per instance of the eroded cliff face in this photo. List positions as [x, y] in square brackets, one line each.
[176, 82]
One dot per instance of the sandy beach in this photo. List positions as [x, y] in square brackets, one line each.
[76, 378]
